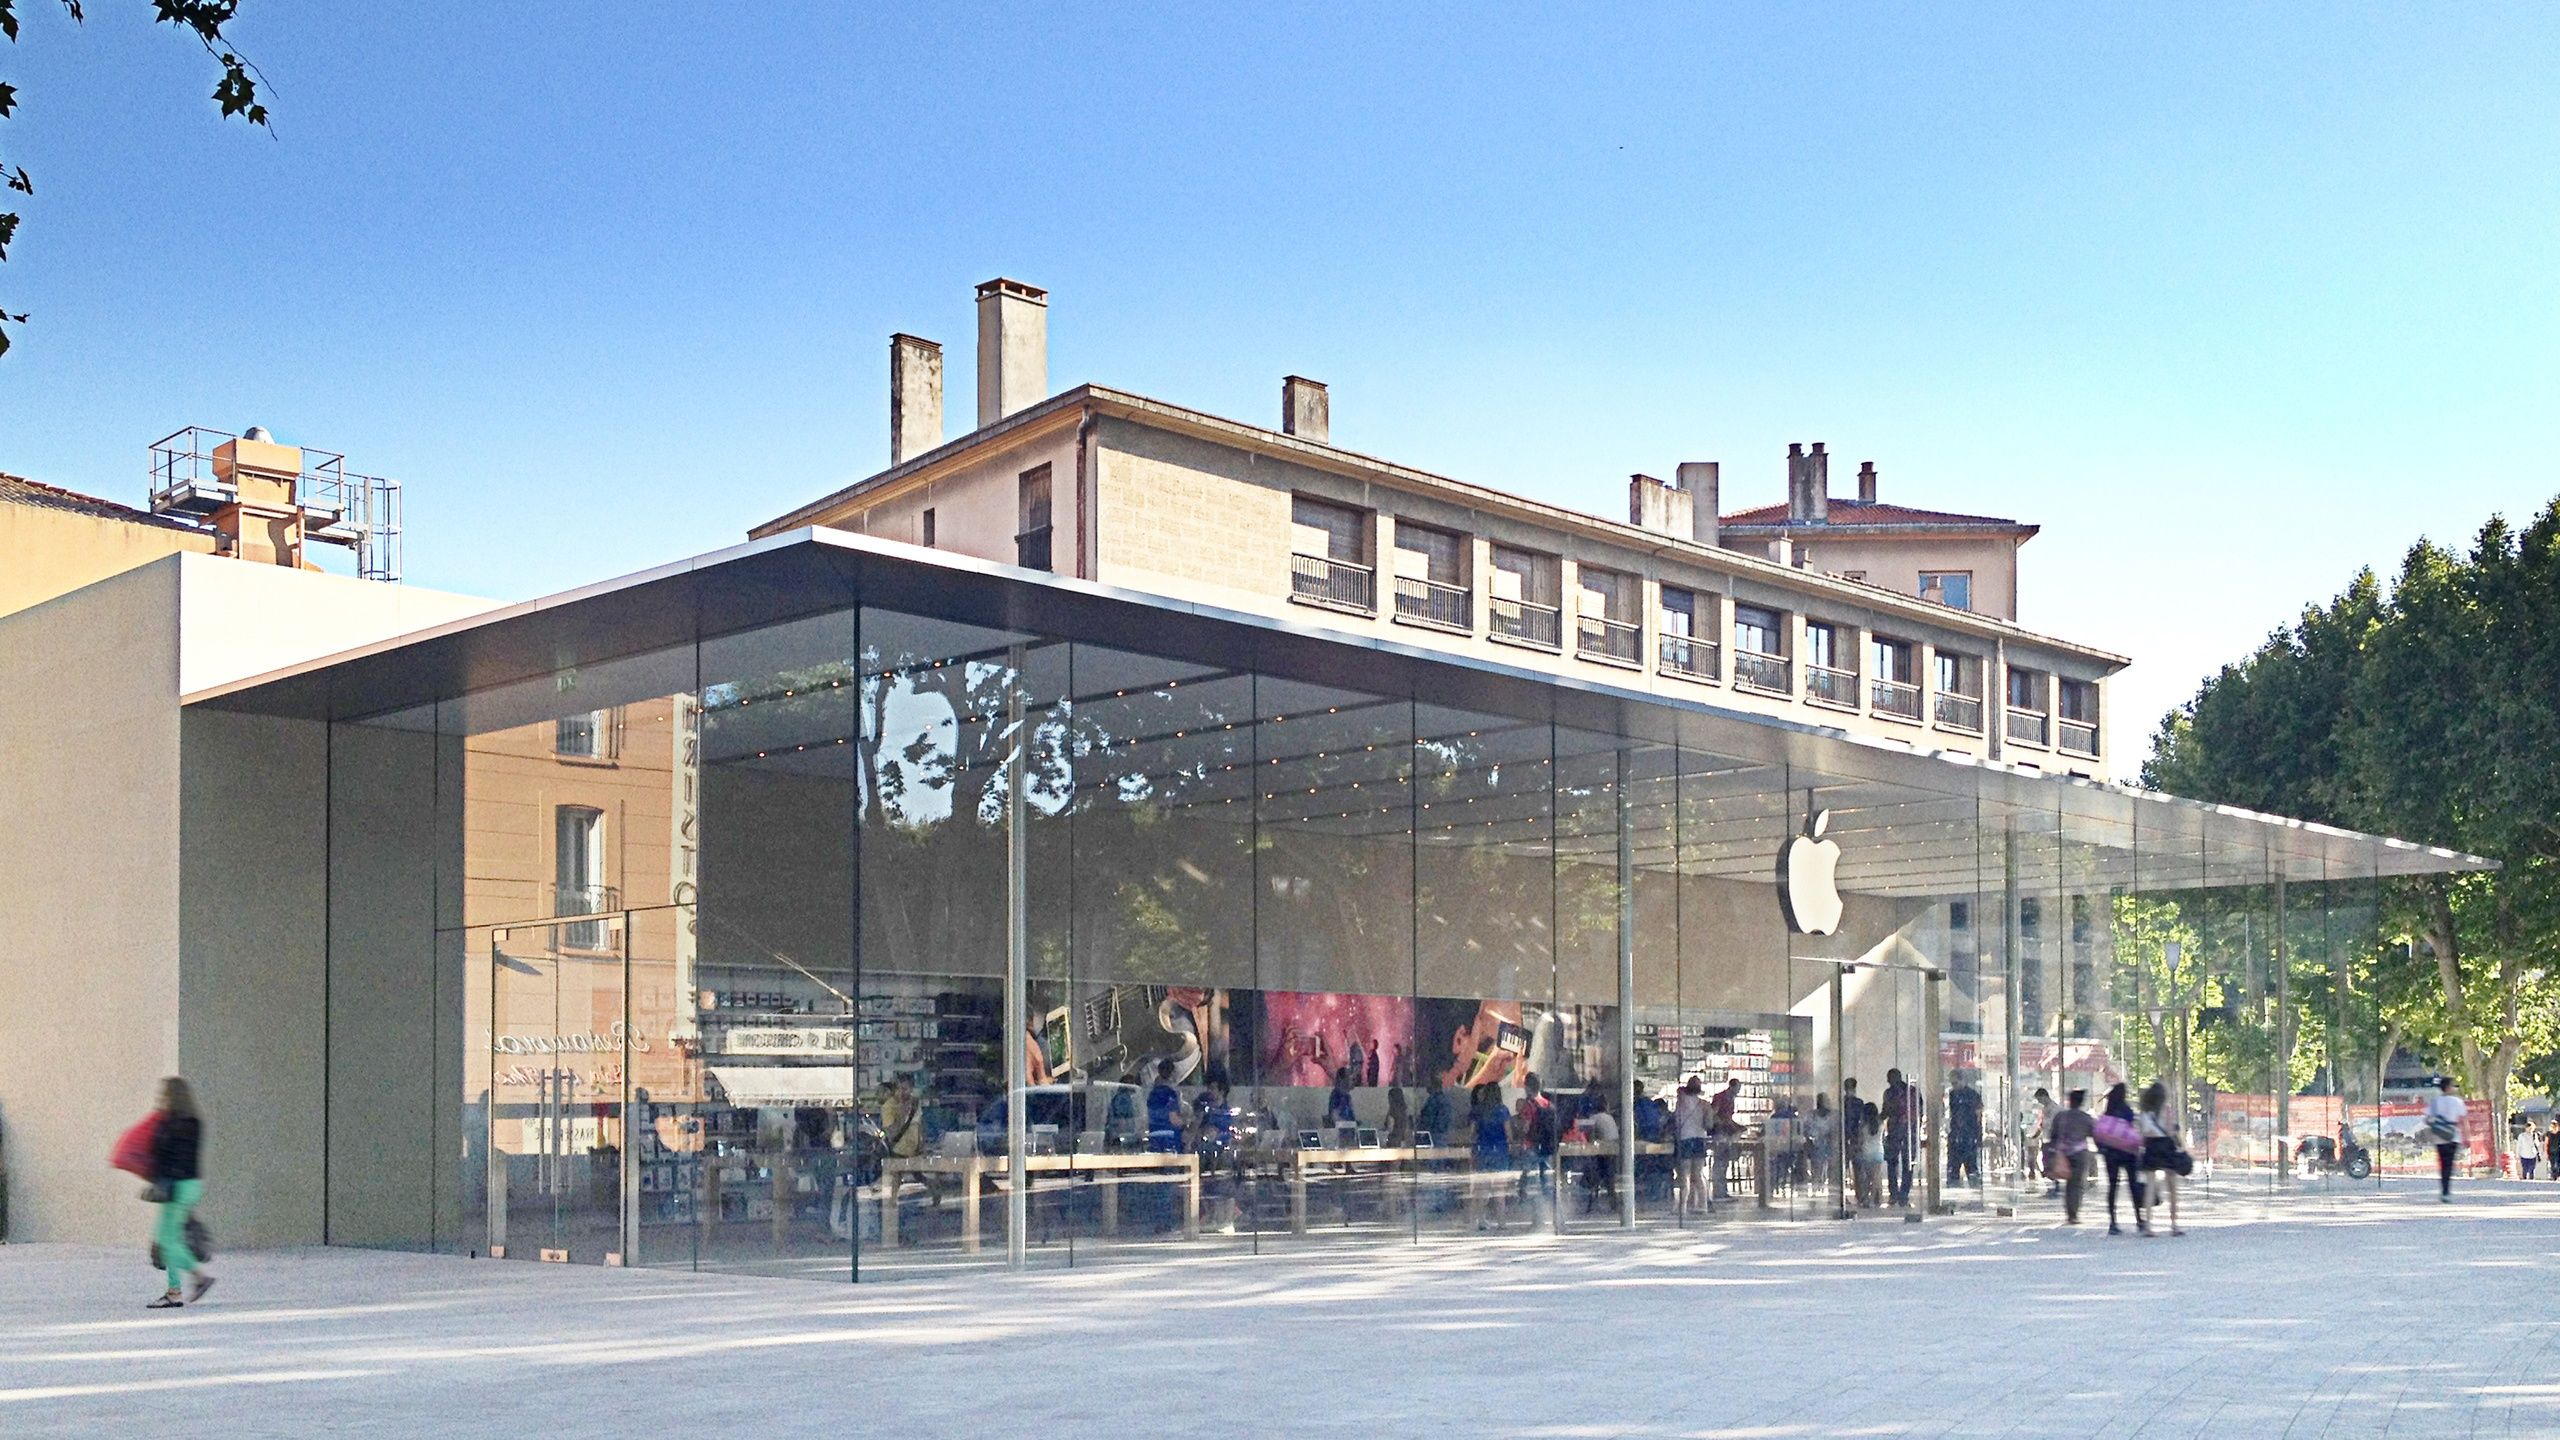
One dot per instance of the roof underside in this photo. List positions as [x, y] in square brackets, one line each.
[1911, 822]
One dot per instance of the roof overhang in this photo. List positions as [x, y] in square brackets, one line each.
[816, 571]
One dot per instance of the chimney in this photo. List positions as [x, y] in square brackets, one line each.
[915, 397]
[263, 520]
[1305, 409]
[1013, 348]
[1797, 506]
[1703, 480]
[1662, 509]
[1817, 485]
[1867, 482]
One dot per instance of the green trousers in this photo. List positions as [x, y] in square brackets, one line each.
[174, 1211]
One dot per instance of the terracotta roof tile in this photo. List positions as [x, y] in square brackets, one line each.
[1861, 512]
[19, 490]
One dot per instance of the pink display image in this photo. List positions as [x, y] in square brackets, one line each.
[1310, 1035]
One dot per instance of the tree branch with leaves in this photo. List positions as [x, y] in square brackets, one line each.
[236, 92]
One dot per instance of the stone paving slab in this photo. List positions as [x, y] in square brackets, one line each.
[2362, 1312]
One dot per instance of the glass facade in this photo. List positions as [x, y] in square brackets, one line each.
[899, 936]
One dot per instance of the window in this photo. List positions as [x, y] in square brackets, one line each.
[1608, 615]
[2078, 732]
[1031, 541]
[1959, 705]
[1329, 555]
[1431, 576]
[1525, 599]
[1760, 650]
[1951, 588]
[1895, 690]
[586, 736]
[578, 874]
[1858, 575]
[1826, 677]
[924, 528]
[2027, 718]
[1688, 633]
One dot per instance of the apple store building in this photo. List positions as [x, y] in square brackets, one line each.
[830, 908]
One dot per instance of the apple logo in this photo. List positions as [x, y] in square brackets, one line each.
[1806, 868]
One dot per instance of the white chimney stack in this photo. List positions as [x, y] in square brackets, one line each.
[1013, 348]
[915, 397]
[1305, 409]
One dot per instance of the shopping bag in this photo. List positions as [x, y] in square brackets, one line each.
[2119, 1134]
[132, 1154]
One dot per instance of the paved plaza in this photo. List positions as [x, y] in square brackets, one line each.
[2342, 1312]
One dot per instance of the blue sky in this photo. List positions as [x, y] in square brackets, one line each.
[2231, 300]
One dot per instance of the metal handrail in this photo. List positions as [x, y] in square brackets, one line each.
[1894, 698]
[1830, 686]
[1605, 639]
[1328, 581]
[1689, 657]
[2027, 727]
[2080, 737]
[1753, 670]
[1525, 620]
[1960, 712]
[1031, 548]
[1431, 601]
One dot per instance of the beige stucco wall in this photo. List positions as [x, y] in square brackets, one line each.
[977, 506]
[157, 885]
[88, 895]
[1208, 522]
[54, 552]
[1895, 563]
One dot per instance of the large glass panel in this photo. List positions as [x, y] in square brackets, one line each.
[560, 1043]
[1484, 954]
[758, 977]
[942, 706]
[1144, 919]
[1330, 1027]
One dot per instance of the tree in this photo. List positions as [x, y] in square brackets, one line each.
[236, 92]
[2426, 713]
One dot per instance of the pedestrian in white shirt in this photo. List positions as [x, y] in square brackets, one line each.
[2444, 1126]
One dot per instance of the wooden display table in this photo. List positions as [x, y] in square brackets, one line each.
[974, 1171]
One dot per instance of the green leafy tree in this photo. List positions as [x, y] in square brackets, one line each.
[236, 92]
[2426, 712]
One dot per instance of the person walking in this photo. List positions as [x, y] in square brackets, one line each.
[2444, 1127]
[1964, 1134]
[2158, 1173]
[1901, 1136]
[177, 1173]
[2069, 1132]
[2040, 1135]
[2121, 1166]
[1690, 1125]
[2551, 1149]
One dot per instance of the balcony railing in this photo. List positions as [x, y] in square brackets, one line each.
[1831, 687]
[1529, 623]
[1601, 638]
[1960, 712]
[1031, 549]
[1894, 698]
[1320, 580]
[1765, 673]
[1688, 657]
[596, 900]
[1433, 603]
[2027, 727]
[2080, 737]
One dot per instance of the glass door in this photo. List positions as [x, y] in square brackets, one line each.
[560, 1037]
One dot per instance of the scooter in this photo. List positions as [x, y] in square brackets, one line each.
[2318, 1155]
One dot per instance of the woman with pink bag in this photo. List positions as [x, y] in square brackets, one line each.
[2120, 1142]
